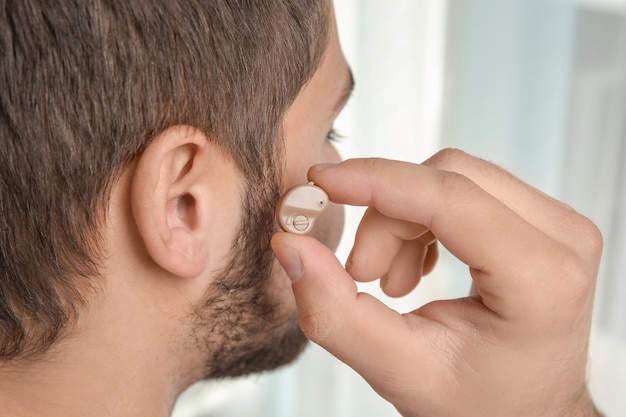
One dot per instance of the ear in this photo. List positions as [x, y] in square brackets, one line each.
[171, 199]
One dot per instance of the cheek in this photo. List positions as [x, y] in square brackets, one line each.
[330, 154]
[300, 159]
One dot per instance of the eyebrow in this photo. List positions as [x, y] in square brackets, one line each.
[346, 92]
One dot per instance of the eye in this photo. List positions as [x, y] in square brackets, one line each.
[334, 136]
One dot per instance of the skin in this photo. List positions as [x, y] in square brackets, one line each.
[147, 334]
[516, 346]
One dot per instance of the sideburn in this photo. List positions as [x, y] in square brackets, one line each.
[242, 328]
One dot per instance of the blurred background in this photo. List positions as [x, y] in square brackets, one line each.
[536, 86]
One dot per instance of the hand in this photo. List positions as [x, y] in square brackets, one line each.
[517, 346]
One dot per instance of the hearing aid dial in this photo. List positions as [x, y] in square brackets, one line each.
[299, 208]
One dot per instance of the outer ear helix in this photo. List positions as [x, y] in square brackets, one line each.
[169, 200]
[299, 207]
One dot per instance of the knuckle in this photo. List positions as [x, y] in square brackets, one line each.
[480, 171]
[591, 234]
[456, 180]
[456, 188]
[578, 285]
[447, 159]
[588, 236]
[316, 326]
[375, 164]
[376, 169]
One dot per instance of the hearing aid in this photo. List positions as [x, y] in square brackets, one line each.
[299, 207]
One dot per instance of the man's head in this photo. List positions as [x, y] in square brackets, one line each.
[143, 147]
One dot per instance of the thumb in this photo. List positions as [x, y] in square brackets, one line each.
[355, 327]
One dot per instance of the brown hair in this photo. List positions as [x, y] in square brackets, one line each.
[85, 85]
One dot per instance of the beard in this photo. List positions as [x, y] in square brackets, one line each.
[246, 324]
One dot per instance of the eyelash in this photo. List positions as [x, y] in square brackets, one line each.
[334, 136]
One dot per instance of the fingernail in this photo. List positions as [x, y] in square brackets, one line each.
[323, 167]
[290, 261]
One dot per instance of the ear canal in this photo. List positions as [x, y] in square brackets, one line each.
[186, 210]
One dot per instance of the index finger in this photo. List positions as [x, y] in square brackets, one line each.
[506, 254]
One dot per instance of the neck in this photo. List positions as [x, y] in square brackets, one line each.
[103, 370]
[81, 386]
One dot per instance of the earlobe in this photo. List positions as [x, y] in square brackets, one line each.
[170, 200]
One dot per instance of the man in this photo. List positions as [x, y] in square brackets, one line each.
[144, 146]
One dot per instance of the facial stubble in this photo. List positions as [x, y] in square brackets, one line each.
[243, 325]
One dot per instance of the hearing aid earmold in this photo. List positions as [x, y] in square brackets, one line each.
[299, 207]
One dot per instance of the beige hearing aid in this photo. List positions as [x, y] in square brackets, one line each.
[299, 207]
